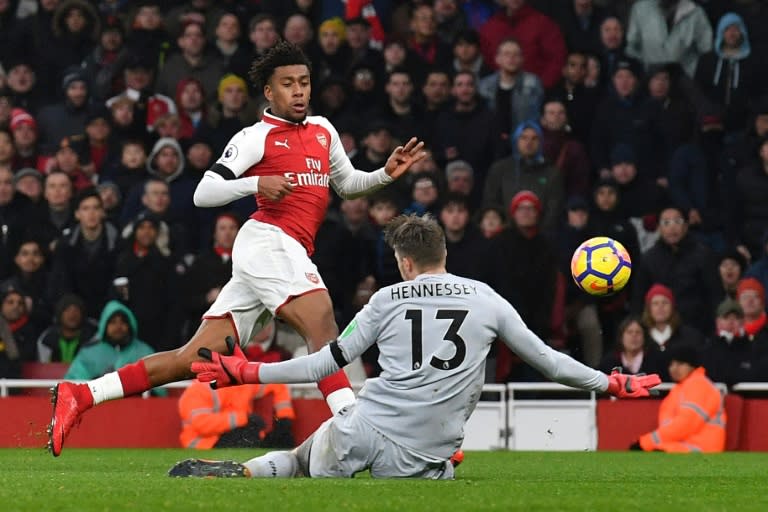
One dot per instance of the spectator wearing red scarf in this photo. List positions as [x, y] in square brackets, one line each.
[424, 41]
[751, 296]
[190, 99]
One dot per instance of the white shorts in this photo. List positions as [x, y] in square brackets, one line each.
[269, 268]
[346, 444]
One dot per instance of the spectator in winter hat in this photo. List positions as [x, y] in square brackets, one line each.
[71, 330]
[21, 81]
[728, 354]
[622, 117]
[332, 58]
[167, 163]
[522, 267]
[29, 182]
[663, 322]
[751, 296]
[117, 344]
[230, 114]
[526, 169]
[731, 75]
[65, 118]
[24, 129]
[527, 199]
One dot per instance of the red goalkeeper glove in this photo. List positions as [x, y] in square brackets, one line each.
[631, 386]
[223, 370]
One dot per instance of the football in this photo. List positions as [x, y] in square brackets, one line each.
[601, 266]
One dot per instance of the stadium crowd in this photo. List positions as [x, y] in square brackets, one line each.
[546, 123]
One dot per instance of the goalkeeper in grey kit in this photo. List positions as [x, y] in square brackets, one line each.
[433, 331]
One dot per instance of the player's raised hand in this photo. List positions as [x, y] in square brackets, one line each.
[275, 187]
[223, 370]
[403, 157]
[631, 386]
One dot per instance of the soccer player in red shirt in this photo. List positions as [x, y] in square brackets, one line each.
[287, 160]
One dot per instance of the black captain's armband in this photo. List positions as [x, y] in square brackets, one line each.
[337, 354]
[223, 171]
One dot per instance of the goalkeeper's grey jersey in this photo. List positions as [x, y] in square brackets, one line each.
[433, 335]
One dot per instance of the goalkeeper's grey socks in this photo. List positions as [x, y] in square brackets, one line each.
[273, 465]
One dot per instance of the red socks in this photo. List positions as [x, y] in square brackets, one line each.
[333, 383]
[134, 378]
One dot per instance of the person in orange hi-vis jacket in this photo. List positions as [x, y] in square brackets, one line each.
[692, 417]
[225, 418]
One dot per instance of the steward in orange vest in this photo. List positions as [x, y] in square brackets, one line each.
[225, 418]
[692, 417]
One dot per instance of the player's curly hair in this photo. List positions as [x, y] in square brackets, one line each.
[419, 237]
[282, 54]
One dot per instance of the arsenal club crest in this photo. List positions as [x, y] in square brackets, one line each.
[322, 140]
[312, 277]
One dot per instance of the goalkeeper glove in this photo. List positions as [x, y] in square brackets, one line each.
[223, 370]
[631, 386]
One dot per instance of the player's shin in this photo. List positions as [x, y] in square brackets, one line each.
[337, 391]
[273, 465]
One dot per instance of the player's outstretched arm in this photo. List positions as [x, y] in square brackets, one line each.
[562, 368]
[233, 368]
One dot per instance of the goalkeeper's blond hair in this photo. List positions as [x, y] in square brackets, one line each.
[418, 237]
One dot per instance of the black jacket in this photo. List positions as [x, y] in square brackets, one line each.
[524, 271]
[151, 281]
[467, 257]
[690, 271]
[89, 277]
[730, 362]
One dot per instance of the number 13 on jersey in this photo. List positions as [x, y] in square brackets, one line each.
[457, 316]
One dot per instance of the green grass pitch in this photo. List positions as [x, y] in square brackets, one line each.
[135, 480]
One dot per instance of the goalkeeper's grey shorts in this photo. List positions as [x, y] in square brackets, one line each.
[346, 444]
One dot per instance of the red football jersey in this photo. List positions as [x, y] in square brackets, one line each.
[309, 154]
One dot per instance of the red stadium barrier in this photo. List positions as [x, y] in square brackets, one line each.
[753, 425]
[128, 423]
[154, 422]
[621, 422]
